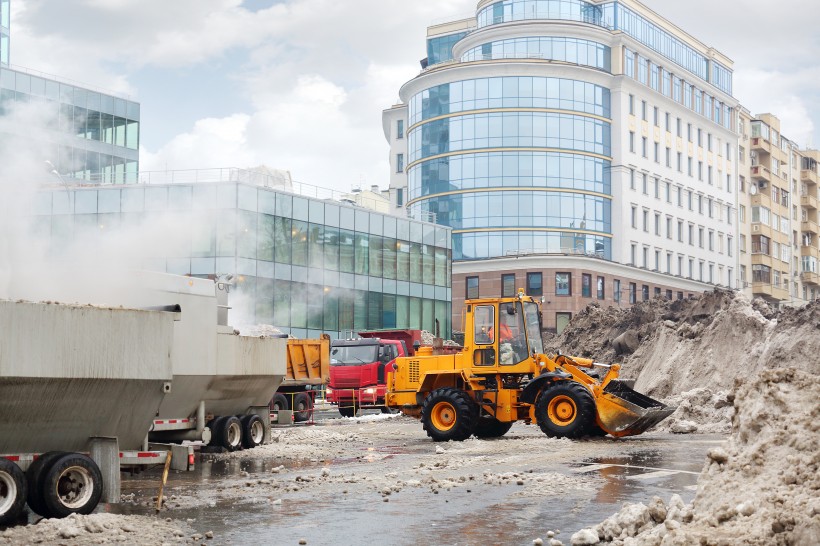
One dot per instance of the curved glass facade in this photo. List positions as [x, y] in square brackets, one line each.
[510, 129]
[512, 170]
[509, 92]
[570, 50]
[553, 199]
[518, 10]
[537, 209]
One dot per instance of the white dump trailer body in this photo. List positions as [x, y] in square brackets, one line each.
[72, 372]
[216, 371]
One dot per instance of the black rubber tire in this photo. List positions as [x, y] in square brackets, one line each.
[34, 477]
[385, 409]
[250, 424]
[223, 427]
[57, 478]
[464, 414]
[13, 490]
[279, 402]
[215, 425]
[302, 407]
[583, 416]
[347, 411]
[490, 427]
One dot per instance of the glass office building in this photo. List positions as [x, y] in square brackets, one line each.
[306, 265]
[95, 135]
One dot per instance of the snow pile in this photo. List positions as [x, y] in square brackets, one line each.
[102, 528]
[259, 330]
[689, 352]
[428, 337]
[764, 488]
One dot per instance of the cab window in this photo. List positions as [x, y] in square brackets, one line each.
[484, 322]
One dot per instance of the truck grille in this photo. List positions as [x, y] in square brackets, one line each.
[413, 371]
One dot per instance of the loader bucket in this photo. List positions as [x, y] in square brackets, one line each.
[625, 412]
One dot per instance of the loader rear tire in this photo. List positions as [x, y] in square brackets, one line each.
[449, 414]
[12, 492]
[490, 427]
[565, 409]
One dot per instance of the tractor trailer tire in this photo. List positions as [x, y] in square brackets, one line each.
[490, 427]
[253, 431]
[565, 409]
[34, 477]
[13, 489]
[449, 414]
[279, 402]
[71, 485]
[228, 432]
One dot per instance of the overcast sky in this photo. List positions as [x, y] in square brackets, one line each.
[300, 84]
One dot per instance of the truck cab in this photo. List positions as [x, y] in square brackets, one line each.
[357, 372]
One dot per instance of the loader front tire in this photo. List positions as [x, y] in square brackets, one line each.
[565, 409]
[449, 414]
[490, 427]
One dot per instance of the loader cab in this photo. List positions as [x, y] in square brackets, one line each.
[504, 331]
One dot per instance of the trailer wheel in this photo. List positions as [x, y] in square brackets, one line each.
[253, 431]
[347, 411]
[565, 410]
[302, 407]
[72, 485]
[228, 433]
[449, 414]
[279, 402]
[490, 427]
[34, 477]
[12, 492]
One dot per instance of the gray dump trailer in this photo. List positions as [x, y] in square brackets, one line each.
[223, 382]
[79, 384]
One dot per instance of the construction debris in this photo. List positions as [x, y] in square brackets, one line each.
[762, 489]
[689, 352]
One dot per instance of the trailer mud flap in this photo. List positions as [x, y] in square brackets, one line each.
[623, 411]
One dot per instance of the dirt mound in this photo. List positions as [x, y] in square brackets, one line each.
[99, 529]
[674, 348]
[762, 489]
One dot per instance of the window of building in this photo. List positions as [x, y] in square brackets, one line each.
[643, 110]
[656, 115]
[561, 321]
[657, 260]
[680, 231]
[657, 291]
[634, 217]
[679, 128]
[586, 285]
[633, 288]
[631, 179]
[400, 197]
[668, 122]
[563, 284]
[668, 191]
[646, 221]
[646, 257]
[657, 223]
[508, 285]
[600, 288]
[616, 291]
[632, 104]
[657, 188]
[645, 292]
[689, 166]
[700, 237]
[633, 254]
[472, 288]
[644, 147]
[645, 184]
[399, 163]
[669, 263]
[709, 175]
[400, 129]
[669, 227]
[680, 162]
[657, 152]
[632, 141]
[700, 138]
[689, 132]
[669, 157]
[700, 171]
[535, 286]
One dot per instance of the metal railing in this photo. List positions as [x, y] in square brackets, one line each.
[68, 81]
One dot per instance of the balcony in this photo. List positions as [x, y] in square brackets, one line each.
[769, 291]
[809, 177]
[808, 226]
[808, 201]
[759, 144]
[808, 277]
[760, 172]
[806, 250]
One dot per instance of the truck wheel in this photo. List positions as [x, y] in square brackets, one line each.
[73, 485]
[449, 414]
[302, 407]
[347, 411]
[253, 431]
[565, 410]
[228, 433]
[12, 492]
[279, 402]
[490, 427]
[34, 477]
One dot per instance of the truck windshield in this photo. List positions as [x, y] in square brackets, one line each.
[533, 328]
[354, 355]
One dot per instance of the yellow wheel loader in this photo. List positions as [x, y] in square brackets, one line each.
[502, 375]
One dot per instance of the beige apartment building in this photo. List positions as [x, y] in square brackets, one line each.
[777, 214]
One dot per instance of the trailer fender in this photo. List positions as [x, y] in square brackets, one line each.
[531, 389]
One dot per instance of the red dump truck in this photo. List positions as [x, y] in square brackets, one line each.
[308, 368]
[357, 376]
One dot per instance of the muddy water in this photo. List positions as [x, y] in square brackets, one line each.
[577, 485]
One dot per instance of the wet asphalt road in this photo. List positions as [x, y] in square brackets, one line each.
[635, 470]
